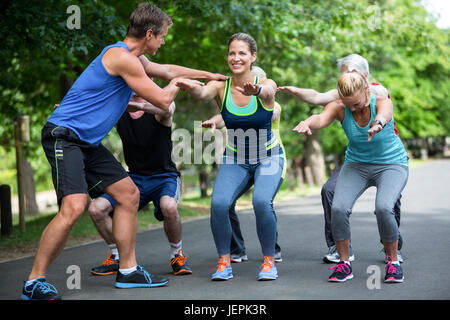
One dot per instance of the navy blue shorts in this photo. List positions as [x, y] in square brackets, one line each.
[153, 188]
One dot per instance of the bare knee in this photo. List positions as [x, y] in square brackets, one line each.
[132, 197]
[99, 209]
[169, 209]
[72, 208]
[127, 195]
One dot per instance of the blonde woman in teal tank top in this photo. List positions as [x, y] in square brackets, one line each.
[247, 108]
[375, 156]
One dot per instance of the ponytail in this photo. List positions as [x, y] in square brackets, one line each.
[351, 82]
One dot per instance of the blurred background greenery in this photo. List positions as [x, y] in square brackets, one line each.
[298, 44]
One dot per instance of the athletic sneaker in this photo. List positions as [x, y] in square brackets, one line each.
[109, 266]
[179, 265]
[386, 258]
[40, 290]
[333, 255]
[277, 257]
[223, 271]
[139, 279]
[394, 273]
[268, 270]
[341, 272]
[237, 258]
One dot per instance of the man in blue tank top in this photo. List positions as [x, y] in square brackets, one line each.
[81, 165]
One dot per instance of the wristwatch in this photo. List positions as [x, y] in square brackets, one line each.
[374, 122]
[259, 91]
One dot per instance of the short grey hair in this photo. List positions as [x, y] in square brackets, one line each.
[354, 62]
[257, 71]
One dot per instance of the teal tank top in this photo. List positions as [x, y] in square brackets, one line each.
[249, 129]
[385, 146]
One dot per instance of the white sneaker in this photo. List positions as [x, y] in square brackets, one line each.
[333, 255]
[277, 257]
[237, 258]
[399, 256]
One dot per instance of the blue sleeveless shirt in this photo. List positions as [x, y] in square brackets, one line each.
[385, 146]
[95, 102]
[249, 129]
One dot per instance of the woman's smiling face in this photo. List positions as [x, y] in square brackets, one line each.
[240, 57]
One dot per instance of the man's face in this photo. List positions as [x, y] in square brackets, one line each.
[154, 42]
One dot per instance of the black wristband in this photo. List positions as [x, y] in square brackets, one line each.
[377, 122]
[259, 91]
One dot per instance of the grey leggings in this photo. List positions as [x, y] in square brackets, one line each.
[354, 179]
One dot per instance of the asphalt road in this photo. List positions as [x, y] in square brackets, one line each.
[425, 226]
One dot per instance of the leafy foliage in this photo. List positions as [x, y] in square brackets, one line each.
[298, 44]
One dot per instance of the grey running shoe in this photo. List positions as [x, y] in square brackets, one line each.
[236, 258]
[277, 257]
[333, 255]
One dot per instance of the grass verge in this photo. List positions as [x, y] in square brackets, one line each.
[20, 244]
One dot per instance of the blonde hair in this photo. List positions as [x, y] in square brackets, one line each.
[355, 62]
[350, 83]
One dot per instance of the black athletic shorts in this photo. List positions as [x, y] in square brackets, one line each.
[78, 166]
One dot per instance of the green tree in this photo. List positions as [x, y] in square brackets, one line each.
[298, 44]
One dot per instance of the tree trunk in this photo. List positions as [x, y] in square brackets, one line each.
[65, 83]
[309, 178]
[29, 186]
[297, 164]
[203, 183]
[19, 166]
[314, 159]
[291, 175]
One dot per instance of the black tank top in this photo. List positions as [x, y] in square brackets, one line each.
[147, 145]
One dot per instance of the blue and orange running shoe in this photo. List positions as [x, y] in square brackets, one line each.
[109, 266]
[179, 265]
[268, 270]
[223, 272]
[341, 272]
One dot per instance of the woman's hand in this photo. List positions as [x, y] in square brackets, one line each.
[209, 124]
[373, 130]
[288, 89]
[249, 89]
[216, 76]
[303, 127]
[188, 84]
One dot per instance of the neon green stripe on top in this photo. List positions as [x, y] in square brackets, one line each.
[247, 110]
